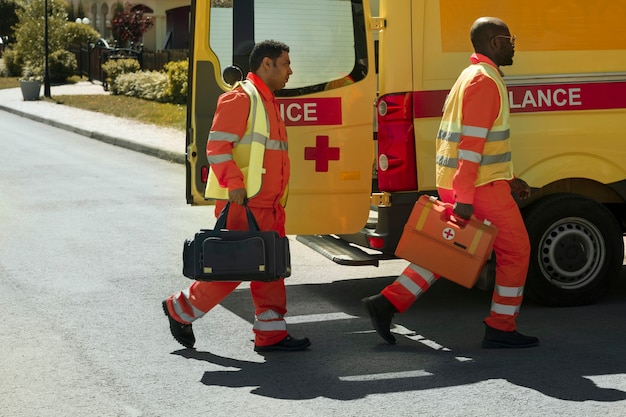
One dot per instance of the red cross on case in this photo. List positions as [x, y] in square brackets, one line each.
[321, 153]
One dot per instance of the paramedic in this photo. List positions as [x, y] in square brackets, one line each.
[475, 173]
[263, 140]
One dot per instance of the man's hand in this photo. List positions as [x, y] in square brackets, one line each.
[237, 196]
[463, 210]
[520, 188]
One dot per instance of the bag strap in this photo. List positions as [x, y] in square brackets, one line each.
[221, 219]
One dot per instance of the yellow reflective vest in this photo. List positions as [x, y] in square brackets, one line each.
[249, 152]
[495, 162]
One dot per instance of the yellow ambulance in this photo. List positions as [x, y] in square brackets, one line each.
[364, 102]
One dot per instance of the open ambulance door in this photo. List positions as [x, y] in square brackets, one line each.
[327, 105]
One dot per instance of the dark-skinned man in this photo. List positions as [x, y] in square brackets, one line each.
[474, 172]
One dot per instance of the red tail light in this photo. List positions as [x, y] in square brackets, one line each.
[376, 242]
[204, 173]
[397, 169]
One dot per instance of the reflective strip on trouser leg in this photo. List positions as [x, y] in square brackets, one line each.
[270, 306]
[412, 283]
[269, 321]
[183, 307]
[512, 248]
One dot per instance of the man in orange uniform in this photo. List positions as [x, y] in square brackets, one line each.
[247, 118]
[475, 173]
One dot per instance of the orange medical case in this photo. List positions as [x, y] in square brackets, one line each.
[454, 249]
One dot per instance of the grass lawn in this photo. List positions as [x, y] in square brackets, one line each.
[147, 111]
[9, 82]
[161, 114]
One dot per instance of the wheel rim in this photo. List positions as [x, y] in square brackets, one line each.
[571, 253]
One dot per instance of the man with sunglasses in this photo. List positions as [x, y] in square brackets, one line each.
[475, 174]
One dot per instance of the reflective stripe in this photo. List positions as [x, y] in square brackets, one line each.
[496, 159]
[509, 291]
[504, 309]
[469, 156]
[178, 309]
[498, 135]
[224, 136]
[269, 315]
[475, 131]
[276, 145]
[269, 326]
[216, 159]
[410, 285]
[448, 162]
[428, 276]
[493, 136]
[256, 138]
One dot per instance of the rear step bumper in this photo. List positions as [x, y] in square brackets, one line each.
[341, 251]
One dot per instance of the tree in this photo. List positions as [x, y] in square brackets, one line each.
[30, 33]
[129, 25]
[8, 11]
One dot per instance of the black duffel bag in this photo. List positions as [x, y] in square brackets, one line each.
[234, 255]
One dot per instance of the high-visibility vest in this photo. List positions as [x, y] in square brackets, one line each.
[495, 163]
[248, 153]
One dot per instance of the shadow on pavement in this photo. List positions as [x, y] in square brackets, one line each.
[441, 347]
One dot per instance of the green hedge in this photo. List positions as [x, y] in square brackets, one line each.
[170, 85]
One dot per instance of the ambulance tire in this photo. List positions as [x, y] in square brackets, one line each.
[577, 250]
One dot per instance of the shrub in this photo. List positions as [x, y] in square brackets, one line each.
[11, 65]
[61, 65]
[31, 72]
[115, 67]
[176, 89]
[80, 34]
[149, 85]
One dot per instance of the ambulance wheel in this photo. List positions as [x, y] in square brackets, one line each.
[577, 250]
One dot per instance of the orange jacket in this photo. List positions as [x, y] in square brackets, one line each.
[231, 117]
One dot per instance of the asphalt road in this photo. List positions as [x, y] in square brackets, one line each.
[90, 243]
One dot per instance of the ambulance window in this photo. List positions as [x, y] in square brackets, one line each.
[326, 39]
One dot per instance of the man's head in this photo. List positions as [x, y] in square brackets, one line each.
[269, 60]
[491, 37]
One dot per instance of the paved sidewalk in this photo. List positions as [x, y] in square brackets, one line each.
[164, 143]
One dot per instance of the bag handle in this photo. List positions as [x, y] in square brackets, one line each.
[221, 219]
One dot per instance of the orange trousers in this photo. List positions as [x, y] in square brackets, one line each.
[269, 298]
[494, 202]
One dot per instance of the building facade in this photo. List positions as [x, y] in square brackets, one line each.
[171, 20]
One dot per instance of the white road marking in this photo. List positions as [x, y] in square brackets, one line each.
[383, 376]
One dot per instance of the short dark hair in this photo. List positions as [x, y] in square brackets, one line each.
[483, 30]
[269, 48]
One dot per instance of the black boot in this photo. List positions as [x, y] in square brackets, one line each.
[183, 333]
[495, 339]
[288, 344]
[381, 312]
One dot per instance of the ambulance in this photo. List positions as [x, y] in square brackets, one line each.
[364, 103]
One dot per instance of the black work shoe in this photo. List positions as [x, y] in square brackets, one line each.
[495, 339]
[381, 312]
[287, 344]
[183, 333]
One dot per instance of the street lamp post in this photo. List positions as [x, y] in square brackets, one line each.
[84, 21]
[46, 75]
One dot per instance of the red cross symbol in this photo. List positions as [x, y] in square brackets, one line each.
[321, 154]
[448, 233]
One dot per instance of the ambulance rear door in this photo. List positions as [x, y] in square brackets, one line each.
[327, 105]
